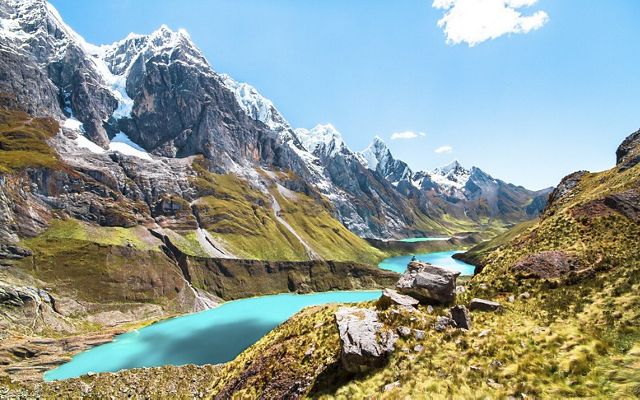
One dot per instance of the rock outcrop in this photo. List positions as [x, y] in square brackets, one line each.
[428, 284]
[365, 344]
[628, 153]
[546, 264]
[563, 190]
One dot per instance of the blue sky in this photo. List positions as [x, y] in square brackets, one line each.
[525, 107]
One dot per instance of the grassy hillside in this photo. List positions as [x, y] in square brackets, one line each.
[23, 141]
[242, 217]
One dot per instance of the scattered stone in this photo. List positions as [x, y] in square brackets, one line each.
[460, 289]
[428, 284]
[484, 333]
[418, 334]
[442, 323]
[495, 364]
[460, 315]
[418, 348]
[484, 305]
[475, 368]
[365, 345]
[525, 295]
[390, 298]
[493, 384]
[390, 386]
[430, 309]
[511, 298]
[310, 351]
[404, 331]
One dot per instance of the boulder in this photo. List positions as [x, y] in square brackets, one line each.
[364, 343]
[390, 298]
[428, 284]
[460, 315]
[484, 305]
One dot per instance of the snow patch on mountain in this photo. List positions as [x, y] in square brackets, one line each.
[255, 105]
[122, 144]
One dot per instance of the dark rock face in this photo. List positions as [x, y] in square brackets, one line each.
[365, 344]
[484, 305]
[628, 153]
[461, 316]
[428, 284]
[546, 264]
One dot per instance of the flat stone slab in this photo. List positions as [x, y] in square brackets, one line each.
[390, 298]
[484, 305]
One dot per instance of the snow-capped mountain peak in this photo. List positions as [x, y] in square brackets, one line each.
[375, 153]
[322, 140]
[452, 175]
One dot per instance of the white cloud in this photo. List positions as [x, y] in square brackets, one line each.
[406, 135]
[474, 21]
[444, 149]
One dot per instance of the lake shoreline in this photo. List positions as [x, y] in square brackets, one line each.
[116, 333]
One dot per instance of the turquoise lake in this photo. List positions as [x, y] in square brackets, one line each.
[219, 335]
[208, 337]
[441, 259]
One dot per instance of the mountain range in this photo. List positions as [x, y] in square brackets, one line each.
[136, 113]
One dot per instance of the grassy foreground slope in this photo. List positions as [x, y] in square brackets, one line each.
[570, 286]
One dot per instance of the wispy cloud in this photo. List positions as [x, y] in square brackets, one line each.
[406, 135]
[444, 149]
[474, 21]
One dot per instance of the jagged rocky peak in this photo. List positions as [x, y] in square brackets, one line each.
[376, 152]
[451, 175]
[323, 140]
[377, 157]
